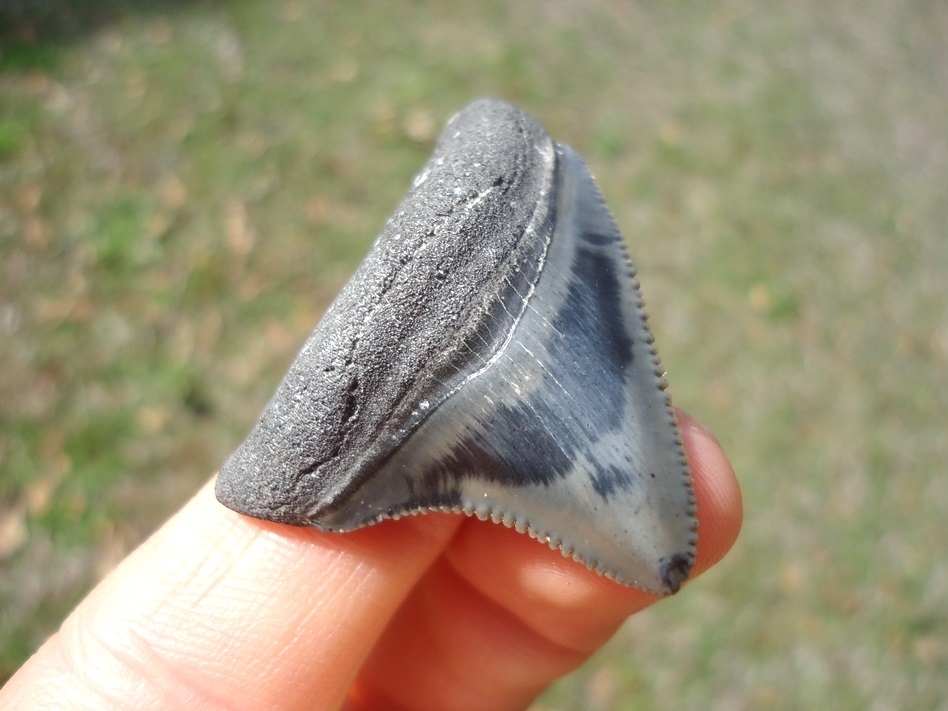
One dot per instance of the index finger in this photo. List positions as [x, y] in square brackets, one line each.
[218, 610]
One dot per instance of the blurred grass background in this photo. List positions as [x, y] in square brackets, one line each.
[185, 185]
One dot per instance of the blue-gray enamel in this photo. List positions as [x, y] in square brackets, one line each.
[490, 356]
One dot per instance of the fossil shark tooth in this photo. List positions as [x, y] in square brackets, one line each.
[491, 356]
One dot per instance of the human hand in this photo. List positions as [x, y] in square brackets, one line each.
[220, 611]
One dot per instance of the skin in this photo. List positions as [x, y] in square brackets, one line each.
[219, 611]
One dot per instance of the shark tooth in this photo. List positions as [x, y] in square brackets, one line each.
[490, 356]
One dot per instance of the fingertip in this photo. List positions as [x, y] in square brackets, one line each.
[717, 492]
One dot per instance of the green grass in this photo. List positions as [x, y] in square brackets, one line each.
[184, 187]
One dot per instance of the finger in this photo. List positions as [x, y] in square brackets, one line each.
[717, 492]
[501, 616]
[219, 611]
